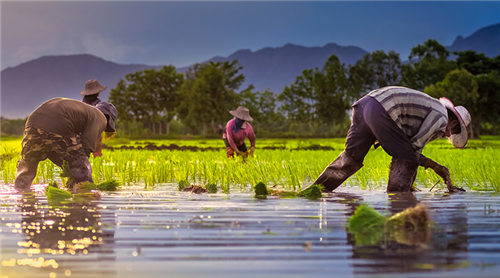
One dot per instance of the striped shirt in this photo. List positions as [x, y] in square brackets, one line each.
[422, 117]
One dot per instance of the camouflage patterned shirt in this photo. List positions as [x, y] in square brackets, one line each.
[69, 117]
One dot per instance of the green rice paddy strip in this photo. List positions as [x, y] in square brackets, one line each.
[475, 167]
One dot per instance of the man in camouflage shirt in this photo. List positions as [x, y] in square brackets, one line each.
[51, 132]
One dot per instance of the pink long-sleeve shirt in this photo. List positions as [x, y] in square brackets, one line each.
[238, 138]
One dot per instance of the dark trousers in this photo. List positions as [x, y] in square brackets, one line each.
[241, 148]
[371, 123]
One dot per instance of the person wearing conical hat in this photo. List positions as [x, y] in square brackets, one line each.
[91, 92]
[237, 130]
[51, 132]
[402, 121]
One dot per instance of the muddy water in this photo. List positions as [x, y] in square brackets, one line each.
[164, 233]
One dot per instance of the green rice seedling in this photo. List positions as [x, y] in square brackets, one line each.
[108, 185]
[85, 187]
[57, 195]
[367, 225]
[261, 191]
[312, 192]
[412, 218]
[52, 184]
[410, 227]
[183, 184]
[283, 193]
[211, 187]
[472, 168]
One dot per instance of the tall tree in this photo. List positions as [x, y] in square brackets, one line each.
[320, 96]
[209, 93]
[148, 95]
[297, 100]
[264, 111]
[331, 91]
[375, 70]
[428, 64]
[477, 63]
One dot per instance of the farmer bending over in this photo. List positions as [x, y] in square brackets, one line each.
[402, 121]
[50, 132]
[236, 131]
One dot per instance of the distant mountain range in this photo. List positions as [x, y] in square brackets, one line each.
[26, 86]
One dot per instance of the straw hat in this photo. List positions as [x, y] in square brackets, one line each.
[110, 110]
[458, 140]
[241, 113]
[92, 87]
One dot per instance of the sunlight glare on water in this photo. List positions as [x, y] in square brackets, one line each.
[163, 232]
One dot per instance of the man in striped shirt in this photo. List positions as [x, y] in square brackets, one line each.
[402, 121]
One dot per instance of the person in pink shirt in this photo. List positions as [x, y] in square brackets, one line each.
[237, 130]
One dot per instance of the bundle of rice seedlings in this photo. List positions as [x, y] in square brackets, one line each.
[108, 185]
[283, 193]
[183, 184]
[411, 218]
[86, 191]
[261, 191]
[85, 187]
[410, 227]
[211, 187]
[52, 184]
[312, 192]
[367, 225]
[57, 195]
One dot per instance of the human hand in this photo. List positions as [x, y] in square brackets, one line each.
[252, 150]
[444, 173]
[97, 153]
[237, 152]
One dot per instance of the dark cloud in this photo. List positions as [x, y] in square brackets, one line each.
[181, 33]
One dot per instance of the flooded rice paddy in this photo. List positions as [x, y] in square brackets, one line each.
[166, 233]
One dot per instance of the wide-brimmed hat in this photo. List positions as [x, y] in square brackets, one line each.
[458, 140]
[109, 110]
[241, 113]
[92, 87]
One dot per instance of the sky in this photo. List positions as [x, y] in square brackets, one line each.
[183, 33]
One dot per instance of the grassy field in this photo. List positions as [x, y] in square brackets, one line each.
[475, 168]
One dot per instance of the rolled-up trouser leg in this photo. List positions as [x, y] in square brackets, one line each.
[80, 170]
[337, 172]
[26, 173]
[402, 175]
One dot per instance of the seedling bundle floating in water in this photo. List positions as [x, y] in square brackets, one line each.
[312, 192]
[410, 227]
[83, 190]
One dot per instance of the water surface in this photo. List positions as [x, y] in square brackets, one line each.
[165, 233]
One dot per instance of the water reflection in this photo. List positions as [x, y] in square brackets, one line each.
[441, 246]
[59, 236]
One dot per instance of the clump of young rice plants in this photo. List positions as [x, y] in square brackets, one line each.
[312, 192]
[211, 187]
[285, 168]
[183, 184]
[55, 194]
[261, 191]
[410, 227]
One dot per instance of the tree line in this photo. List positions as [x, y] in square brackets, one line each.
[317, 104]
